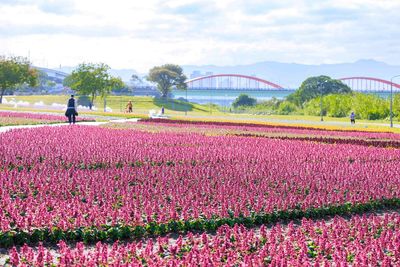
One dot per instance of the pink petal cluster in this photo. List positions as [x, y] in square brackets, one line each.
[88, 176]
[360, 241]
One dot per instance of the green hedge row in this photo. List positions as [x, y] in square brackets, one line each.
[120, 232]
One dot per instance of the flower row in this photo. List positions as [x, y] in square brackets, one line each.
[270, 128]
[331, 140]
[360, 241]
[152, 229]
[20, 118]
[31, 116]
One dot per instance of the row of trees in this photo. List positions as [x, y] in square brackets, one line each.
[87, 79]
[94, 79]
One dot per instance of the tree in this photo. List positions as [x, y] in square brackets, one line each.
[129, 89]
[244, 100]
[92, 80]
[167, 76]
[316, 86]
[135, 79]
[14, 72]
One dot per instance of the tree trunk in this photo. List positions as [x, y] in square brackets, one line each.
[1, 95]
[92, 102]
[164, 92]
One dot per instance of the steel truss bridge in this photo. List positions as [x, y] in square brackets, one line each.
[245, 82]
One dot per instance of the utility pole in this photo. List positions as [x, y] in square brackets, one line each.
[391, 100]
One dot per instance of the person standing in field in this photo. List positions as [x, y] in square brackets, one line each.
[71, 112]
[352, 118]
[129, 107]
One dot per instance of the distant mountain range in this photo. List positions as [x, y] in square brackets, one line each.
[289, 75]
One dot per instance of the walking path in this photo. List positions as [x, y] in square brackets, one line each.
[92, 123]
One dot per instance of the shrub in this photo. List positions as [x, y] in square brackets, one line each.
[286, 108]
[244, 100]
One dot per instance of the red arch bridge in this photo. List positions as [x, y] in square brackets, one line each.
[245, 82]
[369, 84]
[232, 82]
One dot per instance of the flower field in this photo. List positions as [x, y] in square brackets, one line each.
[91, 184]
[23, 118]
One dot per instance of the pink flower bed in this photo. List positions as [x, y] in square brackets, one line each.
[88, 176]
[32, 116]
[296, 130]
[13, 118]
[360, 241]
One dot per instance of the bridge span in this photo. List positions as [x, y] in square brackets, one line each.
[370, 84]
[232, 82]
[245, 82]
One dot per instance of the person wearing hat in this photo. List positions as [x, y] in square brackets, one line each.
[71, 112]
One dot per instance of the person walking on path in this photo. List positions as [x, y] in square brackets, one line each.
[352, 118]
[129, 107]
[71, 112]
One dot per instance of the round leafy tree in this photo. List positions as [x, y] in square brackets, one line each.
[167, 77]
[93, 80]
[15, 71]
[317, 86]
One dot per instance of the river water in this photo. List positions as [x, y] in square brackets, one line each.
[227, 97]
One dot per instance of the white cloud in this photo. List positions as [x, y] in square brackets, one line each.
[141, 34]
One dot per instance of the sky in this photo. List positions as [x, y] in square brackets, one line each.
[140, 34]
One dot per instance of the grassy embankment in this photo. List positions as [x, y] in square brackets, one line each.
[141, 105]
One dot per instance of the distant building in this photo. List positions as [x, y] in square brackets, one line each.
[54, 75]
[195, 74]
